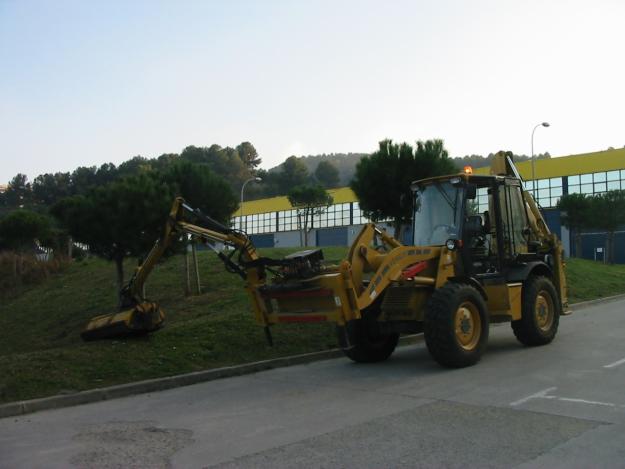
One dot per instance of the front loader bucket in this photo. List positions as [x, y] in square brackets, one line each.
[143, 318]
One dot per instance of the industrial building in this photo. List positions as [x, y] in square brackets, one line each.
[273, 222]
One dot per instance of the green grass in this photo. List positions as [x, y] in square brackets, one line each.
[41, 352]
[588, 280]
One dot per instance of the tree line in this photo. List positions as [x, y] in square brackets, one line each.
[118, 211]
[346, 163]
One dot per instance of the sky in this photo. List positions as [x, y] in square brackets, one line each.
[85, 83]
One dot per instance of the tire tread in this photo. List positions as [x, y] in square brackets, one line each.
[525, 329]
[438, 328]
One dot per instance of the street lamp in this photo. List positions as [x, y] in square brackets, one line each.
[257, 179]
[542, 124]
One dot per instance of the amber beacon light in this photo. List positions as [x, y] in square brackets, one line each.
[468, 170]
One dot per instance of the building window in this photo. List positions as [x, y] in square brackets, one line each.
[600, 187]
[614, 185]
[359, 218]
[543, 183]
[482, 199]
[596, 183]
[549, 191]
[586, 189]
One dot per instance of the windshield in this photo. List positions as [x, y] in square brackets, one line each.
[437, 213]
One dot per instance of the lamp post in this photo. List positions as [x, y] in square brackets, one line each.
[542, 124]
[257, 179]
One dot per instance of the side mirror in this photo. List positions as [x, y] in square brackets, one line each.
[471, 191]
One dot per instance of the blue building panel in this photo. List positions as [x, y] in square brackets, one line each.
[332, 236]
[552, 217]
[593, 246]
[590, 243]
[262, 240]
[619, 248]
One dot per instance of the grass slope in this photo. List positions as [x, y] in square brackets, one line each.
[42, 354]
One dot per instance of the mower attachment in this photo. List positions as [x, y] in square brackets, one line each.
[143, 318]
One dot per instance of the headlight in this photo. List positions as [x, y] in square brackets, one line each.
[450, 244]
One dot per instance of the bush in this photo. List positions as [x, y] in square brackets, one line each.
[20, 228]
[18, 270]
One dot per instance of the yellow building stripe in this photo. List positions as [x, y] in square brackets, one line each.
[549, 168]
[341, 195]
[570, 165]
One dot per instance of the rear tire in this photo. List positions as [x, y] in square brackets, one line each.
[456, 325]
[540, 312]
[368, 344]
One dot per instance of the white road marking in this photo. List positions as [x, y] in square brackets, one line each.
[615, 364]
[544, 395]
[583, 401]
[539, 394]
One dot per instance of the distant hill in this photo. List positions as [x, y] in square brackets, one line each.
[346, 162]
[479, 161]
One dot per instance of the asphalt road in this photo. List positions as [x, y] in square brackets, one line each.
[562, 405]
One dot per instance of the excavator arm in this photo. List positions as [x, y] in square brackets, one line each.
[550, 245]
[174, 228]
[137, 314]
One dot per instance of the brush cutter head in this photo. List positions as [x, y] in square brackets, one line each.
[143, 318]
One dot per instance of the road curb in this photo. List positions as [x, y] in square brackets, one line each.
[160, 384]
[607, 299]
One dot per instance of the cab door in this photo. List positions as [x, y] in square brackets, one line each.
[513, 221]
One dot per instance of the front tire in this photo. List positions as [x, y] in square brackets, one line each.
[540, 312]
[368, 344]
[456, 325]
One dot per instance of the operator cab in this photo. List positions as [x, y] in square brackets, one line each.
[438, 212]
[484, 217]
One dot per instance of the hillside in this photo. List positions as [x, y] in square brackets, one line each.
[42, 354]
[346, 162]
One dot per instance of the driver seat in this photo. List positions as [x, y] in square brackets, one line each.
[477, 227]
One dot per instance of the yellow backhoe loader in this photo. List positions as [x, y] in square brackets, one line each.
[463, 271]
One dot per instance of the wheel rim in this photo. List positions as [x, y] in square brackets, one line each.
[543, 311]
[467, 325]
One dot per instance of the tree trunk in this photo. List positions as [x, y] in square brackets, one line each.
[578, 243]
[299, 227]
[196, 268]
[187, 284]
